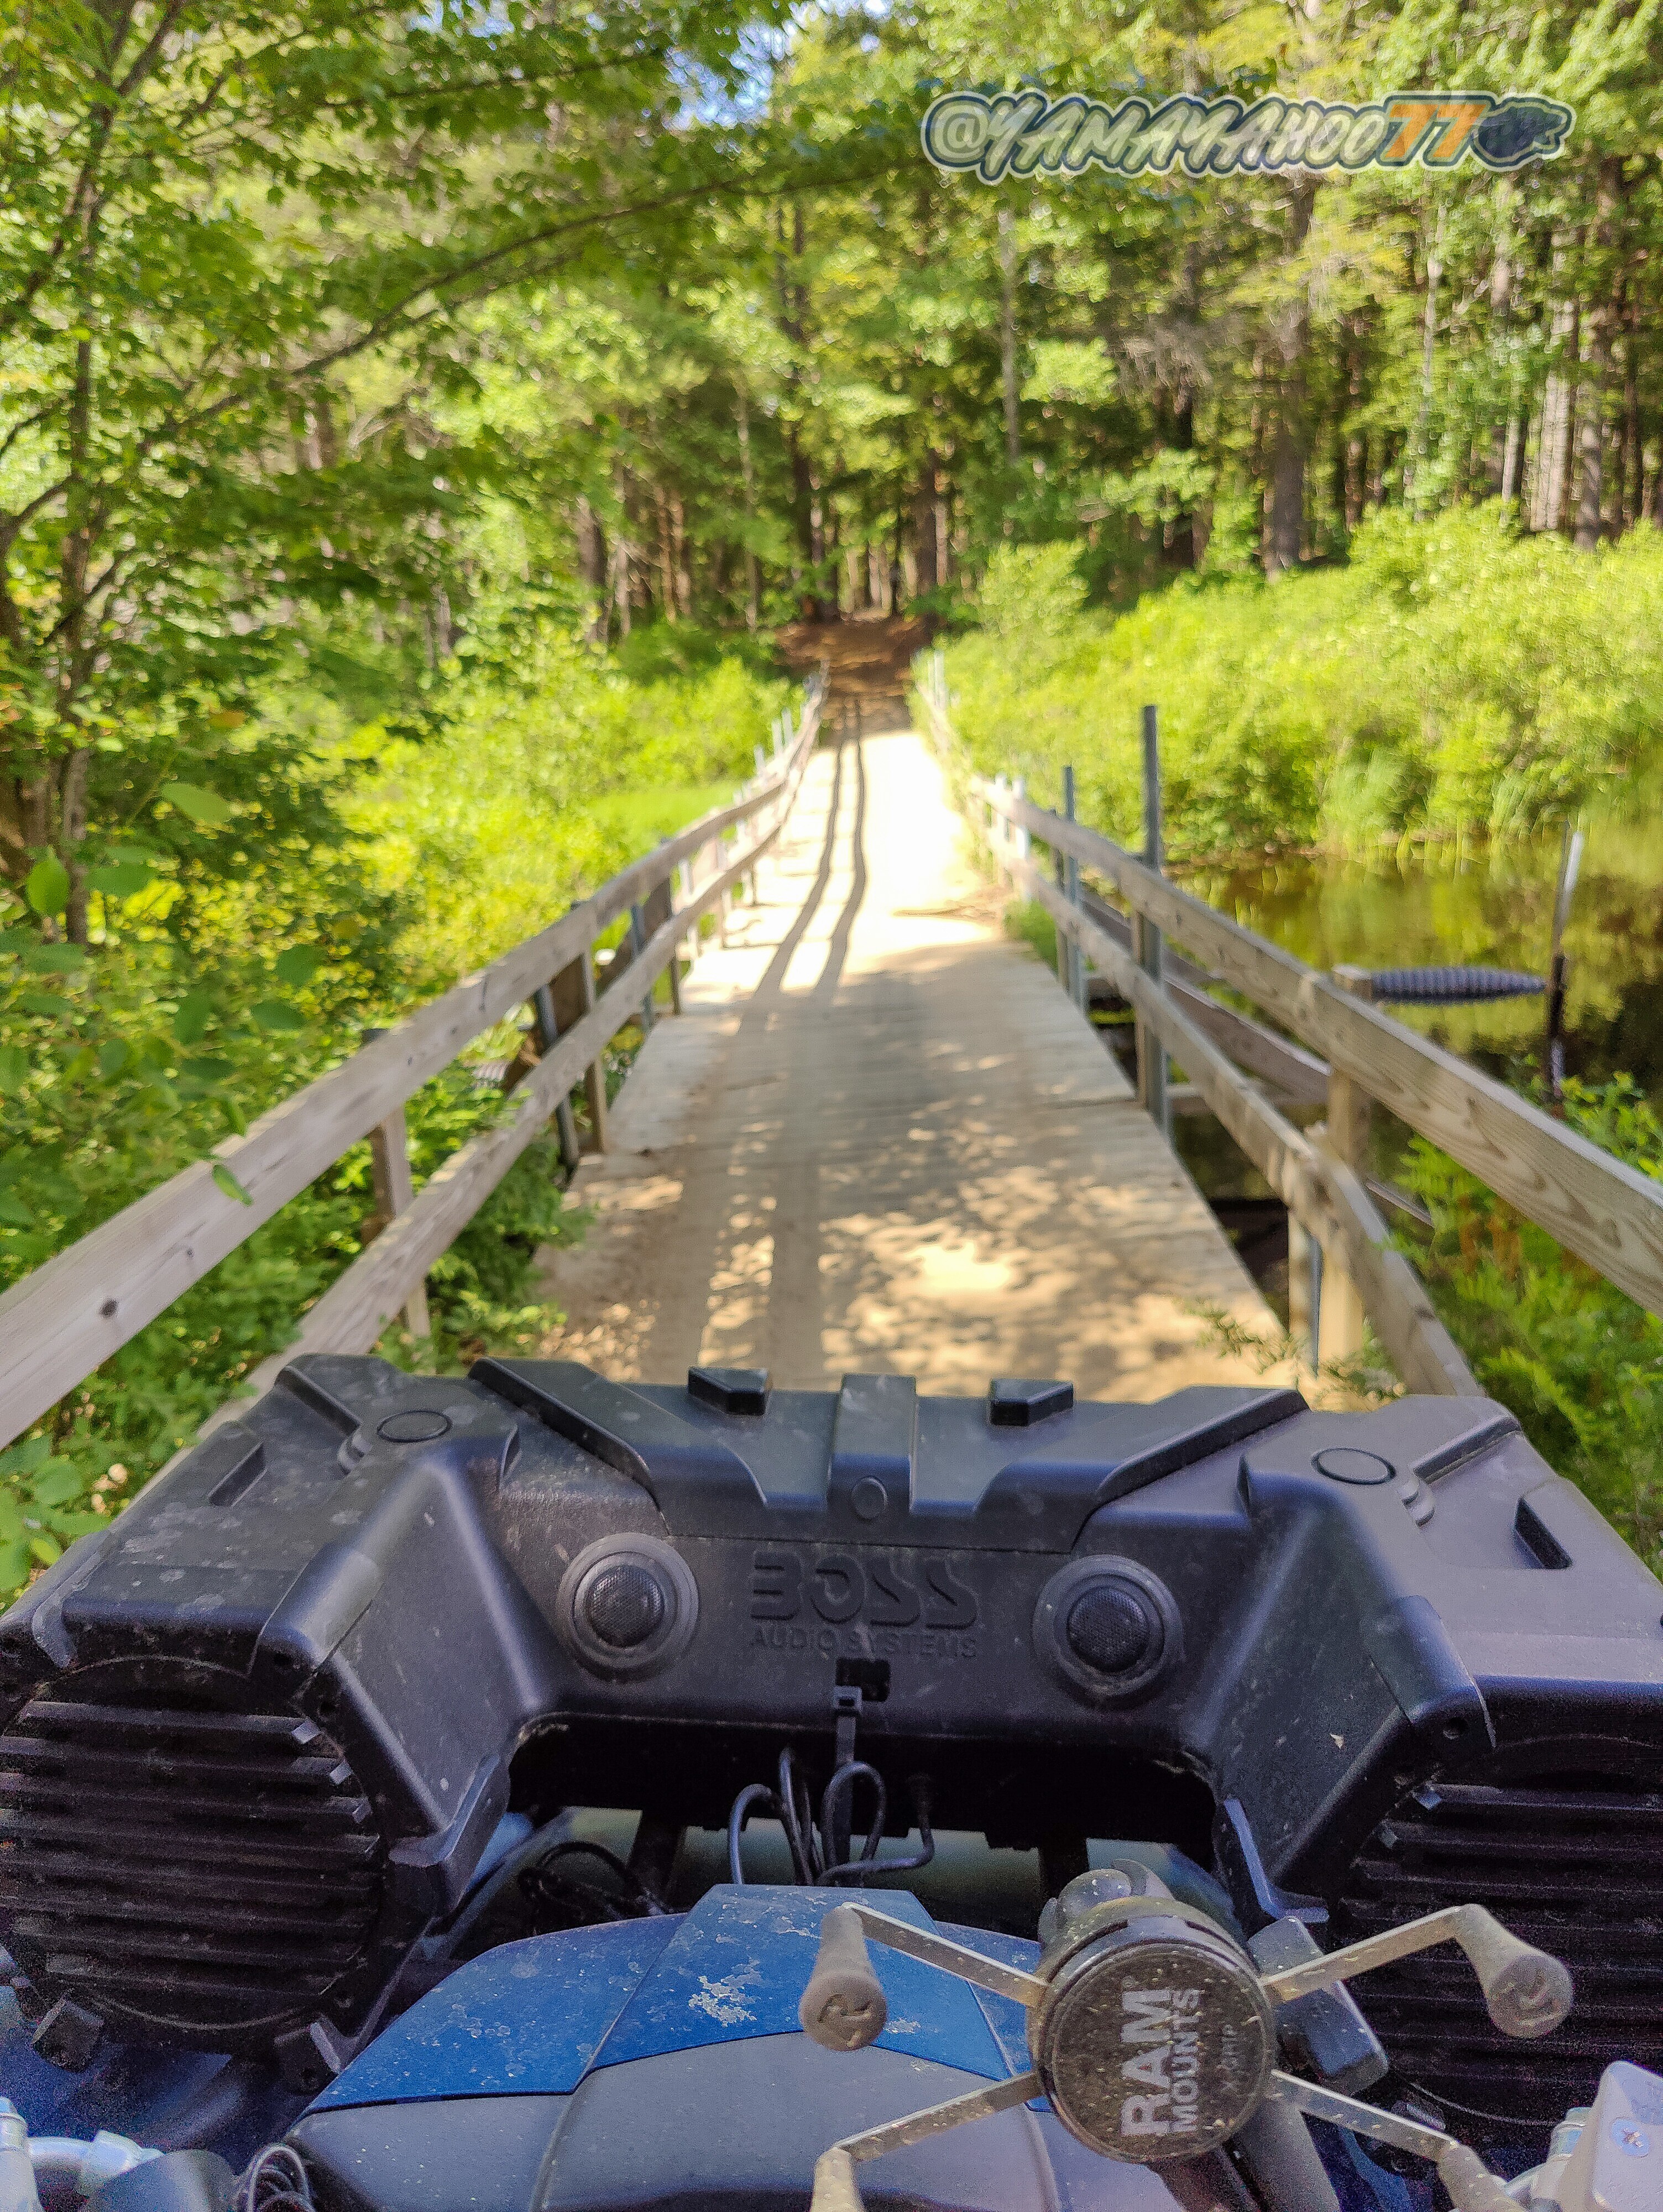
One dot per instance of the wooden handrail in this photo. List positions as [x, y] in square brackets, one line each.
[65, 1318]
[1597, 1207]
[1321, 1191]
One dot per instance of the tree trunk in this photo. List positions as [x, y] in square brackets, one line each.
[1008, 334]
[681, 573]
[747, 478]
[72, 831]
[1285, 541]
[1513, 457]
[1428, 361]
[1591, 435]
[925, 572]
[1631, 504]
[1356, 439]
[1558, 399]
[879, 585]
[591, 566]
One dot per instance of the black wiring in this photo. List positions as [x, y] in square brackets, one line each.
[564, 1899]
[274, 2180]
[812, 1844]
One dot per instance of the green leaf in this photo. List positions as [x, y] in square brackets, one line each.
[27, 1458]
[15, 1562]
[225, 1180]
[47, 889]
[58, 1482]
[113, 1057]
[46, 1549]
[14, 1067]
[49, 1004]
[121, 880]
[206, 807]
[80, 1065]
[271, 1014]
[299, 964]
[235, 1118]
[208, 1070]
[53, 960]
[19, 939]
[13, 1212]
[195, 1011]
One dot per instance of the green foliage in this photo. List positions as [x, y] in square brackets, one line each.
[147, 1400]
[243, 251]
[122, 1062]
[543, 784]
[1578, 1363]
[1452, 675]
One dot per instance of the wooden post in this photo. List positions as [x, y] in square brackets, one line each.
[1064, 970]
[684, 880]
[637, 947]
[594, 1076]
[571, 994]
[1349, 1111]
[390, 1168]
[714, 849]
[1341, 1321]
[1146, 939]
[547, 1030]
[1304, 1288]
[1071, 893]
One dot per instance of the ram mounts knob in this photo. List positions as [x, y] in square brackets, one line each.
[626, 1607]
[1107, 1628]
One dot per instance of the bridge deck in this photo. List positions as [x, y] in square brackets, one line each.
[881, 1138]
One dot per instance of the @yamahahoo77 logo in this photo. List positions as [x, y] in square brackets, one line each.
[1024, 134]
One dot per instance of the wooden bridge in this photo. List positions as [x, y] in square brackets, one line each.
[882, 1140]
[874, 1133]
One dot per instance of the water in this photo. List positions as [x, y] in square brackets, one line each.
[1477, 908]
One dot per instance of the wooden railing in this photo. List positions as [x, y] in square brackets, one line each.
[1608, 1213]
[60, 1323]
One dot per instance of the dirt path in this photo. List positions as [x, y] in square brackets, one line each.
[881, 1138]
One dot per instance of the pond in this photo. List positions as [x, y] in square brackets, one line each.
[1440, 906]
[1434, 905]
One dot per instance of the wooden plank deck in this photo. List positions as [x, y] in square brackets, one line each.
[881, 1138]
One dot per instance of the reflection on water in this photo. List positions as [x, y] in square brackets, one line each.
[1479, 907]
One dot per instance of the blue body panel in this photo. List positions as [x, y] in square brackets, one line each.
[533, 2018]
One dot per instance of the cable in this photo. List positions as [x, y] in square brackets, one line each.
[851, 1772]
[810, 1845]
[806, 1857]
[293, 2189]
[754, 1793]
[922, 1792]
[540, 1886]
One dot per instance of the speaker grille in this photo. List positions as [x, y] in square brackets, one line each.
[1571, 1862]
[169, 1856]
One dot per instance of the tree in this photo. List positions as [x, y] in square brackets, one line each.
[242, 248]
